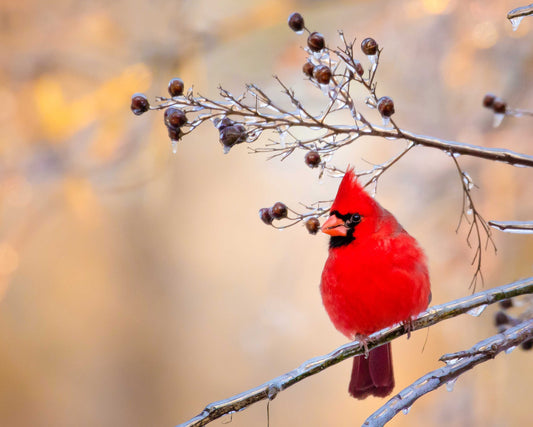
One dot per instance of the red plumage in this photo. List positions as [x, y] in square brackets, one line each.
[375, 276]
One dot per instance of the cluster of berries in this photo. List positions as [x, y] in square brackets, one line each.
[323, 74]
[280, 211]
[503, 320]
[174, 117]
[230, 133]
[496, 104]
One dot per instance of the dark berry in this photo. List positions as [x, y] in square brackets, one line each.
[224, 123]
[312, 225]
[175, 87]
[369, 46]
[296, 22]
[385, 106]
[174, 118]
[264, 214]
[322, 74]
[359, 69]
[233, 134]
[316, 42]
[278, 211]
[139, 104]
[174, 134]
[506, 303]
[499, 106]
[527, 345]
[312, 159]
[500, 318]
[488, 100]
[308, 69]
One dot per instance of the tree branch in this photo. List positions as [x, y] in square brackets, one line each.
[456, 364]
[433, 315]
[452, 147]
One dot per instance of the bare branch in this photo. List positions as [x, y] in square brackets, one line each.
[525, 227]
[433, 315]
[456, 364]
[478, 225]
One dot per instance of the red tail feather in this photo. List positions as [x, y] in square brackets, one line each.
[372, 376]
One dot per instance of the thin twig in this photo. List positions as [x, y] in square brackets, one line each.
[433, 315]
[525, 227]
[478, 225]
[520, 12]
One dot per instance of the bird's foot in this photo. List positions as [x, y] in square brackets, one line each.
[408, 326]
[363, 340]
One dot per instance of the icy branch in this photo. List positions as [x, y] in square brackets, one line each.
[452, 147]
[433, 315]
[525, 227]
[520, 12]
[456, 364]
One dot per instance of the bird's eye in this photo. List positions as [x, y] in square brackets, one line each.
[355, 219]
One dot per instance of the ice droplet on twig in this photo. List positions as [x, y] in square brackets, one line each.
[386, 121]
[476, 311]
[299, 32]
[497, 120]
[226, 149]
[406, 410]
[373, 59]
[174, 145]
[510, 349]
[283, 138]
[515, 22]
[450, 384]
[325, 89]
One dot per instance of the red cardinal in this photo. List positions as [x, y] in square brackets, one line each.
[375, 276]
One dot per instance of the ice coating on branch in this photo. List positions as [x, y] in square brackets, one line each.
[468, 181]
[452, 361]
[510, 349]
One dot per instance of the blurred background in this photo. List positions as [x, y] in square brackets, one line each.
[137, 286]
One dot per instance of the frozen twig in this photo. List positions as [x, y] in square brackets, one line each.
[520, 12]
[525, 227]
[433, 315]
[456, 365]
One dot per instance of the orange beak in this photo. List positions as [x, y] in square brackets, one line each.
[334, 227]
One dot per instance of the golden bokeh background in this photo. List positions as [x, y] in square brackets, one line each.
[137, 285]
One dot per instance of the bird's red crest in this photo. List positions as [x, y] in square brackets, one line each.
[351, 197]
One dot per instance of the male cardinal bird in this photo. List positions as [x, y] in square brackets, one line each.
[375, 276]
